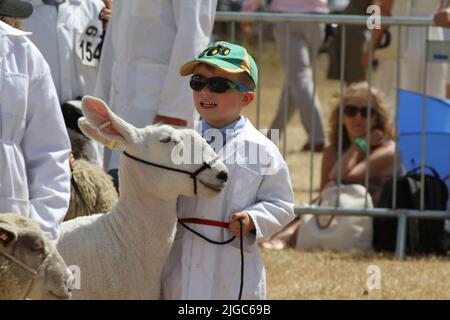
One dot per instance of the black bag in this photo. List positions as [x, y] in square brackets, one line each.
[423, 235]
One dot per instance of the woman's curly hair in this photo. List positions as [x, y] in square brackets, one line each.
[379, 108]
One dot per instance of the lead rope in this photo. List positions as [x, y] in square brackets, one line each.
[242, 260]
[241, 242]
[77, 190]
[193, 175]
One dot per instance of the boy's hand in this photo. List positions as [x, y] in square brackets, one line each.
[247, 224]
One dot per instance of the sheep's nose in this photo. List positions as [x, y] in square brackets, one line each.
[222, 176]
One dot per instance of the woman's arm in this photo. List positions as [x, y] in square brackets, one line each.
[350, 158]
[326, 166]
[353, 166]
[380, 163]
[328, 161]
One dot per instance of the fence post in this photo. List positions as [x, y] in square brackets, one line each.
[401, 234]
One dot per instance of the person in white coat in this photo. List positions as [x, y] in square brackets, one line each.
[415, 71]
[70, 36]
[258, 192]
[146, 43]
[34, 146]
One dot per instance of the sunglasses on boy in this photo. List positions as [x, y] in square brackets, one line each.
[215, 84]
[352, 111]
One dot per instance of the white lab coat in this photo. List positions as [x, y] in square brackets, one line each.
[58, 34]
[197, 269]
[146, 43]
[73, 56]
[412, 65]
[34, 146]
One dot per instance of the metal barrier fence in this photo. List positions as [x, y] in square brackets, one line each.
[344, 20]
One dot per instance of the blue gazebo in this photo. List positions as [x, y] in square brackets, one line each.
[437, 146]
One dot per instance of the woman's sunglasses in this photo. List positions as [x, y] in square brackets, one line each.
[215, 84]
[352, 111]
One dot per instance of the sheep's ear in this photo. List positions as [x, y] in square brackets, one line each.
[93, 133]
[8, 233]
[102, 125]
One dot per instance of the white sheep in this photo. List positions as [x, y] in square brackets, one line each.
[121, 254]
[30, 266]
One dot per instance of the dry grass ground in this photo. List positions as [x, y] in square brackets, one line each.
[293, 274]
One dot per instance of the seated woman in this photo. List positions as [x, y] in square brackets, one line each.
[354, 143]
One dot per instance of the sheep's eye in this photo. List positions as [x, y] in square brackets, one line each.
[165, 140]
[38, 247]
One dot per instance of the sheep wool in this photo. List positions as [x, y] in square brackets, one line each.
[97, 189]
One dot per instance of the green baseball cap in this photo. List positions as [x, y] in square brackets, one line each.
[224, 56]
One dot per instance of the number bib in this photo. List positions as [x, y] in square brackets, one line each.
[88, 45]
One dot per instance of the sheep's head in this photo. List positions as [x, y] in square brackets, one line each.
[24, 249]
[158, 157]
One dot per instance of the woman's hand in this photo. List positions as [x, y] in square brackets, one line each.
[376, 138]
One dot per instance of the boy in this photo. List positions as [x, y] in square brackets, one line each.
[260, 196]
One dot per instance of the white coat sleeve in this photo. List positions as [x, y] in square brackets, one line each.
[274, 207]
[46, 149]
[194, 21]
